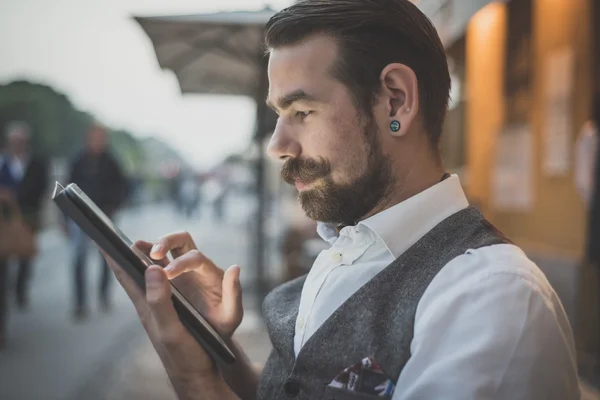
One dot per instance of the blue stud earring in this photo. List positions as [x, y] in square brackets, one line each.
[395, 126]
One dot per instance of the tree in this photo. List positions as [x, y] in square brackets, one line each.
[59, 129]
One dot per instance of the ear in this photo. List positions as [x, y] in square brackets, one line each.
[401, 93]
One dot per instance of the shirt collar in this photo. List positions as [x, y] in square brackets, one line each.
[401, 226]
[327, 232]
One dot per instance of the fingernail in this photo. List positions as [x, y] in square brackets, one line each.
[237, 273]
[153, 277]
[157, 248]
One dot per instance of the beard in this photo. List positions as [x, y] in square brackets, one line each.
[344, 204]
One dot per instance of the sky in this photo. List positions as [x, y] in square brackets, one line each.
[95, 53]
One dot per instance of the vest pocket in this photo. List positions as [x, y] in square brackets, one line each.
[332, 393]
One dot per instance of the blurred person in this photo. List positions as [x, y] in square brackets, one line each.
[587, 178]
[23, 180]
[586, 149]
[189, 194]
[591, 131]
[418, 297]
[219, 202]
[96, 171]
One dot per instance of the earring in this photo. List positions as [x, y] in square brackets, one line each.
[395, 126]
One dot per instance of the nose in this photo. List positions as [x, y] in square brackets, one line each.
[283, 144]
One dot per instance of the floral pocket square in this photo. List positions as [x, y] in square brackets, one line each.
[364, 377]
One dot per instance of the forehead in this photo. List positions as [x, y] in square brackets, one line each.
[305, 65]
[97, 133]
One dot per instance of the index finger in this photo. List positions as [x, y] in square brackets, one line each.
[146, 248]
[177, 243]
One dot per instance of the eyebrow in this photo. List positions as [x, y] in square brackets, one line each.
[286, 101]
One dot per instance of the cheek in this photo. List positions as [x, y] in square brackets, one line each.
[350, 158]
[341, 142]
[350, 165]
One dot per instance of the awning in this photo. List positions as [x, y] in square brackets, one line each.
[216, 53]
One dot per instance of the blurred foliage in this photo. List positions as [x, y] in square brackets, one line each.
[59, 129]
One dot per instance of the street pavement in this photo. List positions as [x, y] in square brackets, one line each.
[109, 357]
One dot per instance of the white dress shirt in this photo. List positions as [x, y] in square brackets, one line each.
[489, 326]
[16, 166]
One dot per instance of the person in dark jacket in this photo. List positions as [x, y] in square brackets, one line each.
[96, 171]
[24, 180]
[593, 239]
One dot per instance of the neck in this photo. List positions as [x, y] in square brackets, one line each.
[426, 171]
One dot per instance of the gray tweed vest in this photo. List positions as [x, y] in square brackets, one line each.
[376, 321]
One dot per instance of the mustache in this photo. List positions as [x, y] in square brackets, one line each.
[305, 171]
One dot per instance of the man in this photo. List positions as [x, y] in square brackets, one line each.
[593, 176]
[588, 182]
[98, 174]
[24, 177]
[585, 161]
[418, 297]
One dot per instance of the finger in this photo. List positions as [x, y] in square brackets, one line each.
[176, 243]
[194, 260]
[146, 248]
[135, 293]
[232, 296]
[158, 297]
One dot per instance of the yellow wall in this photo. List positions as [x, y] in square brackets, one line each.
[556, 222]
[484, 83]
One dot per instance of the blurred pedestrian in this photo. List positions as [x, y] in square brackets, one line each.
[189, 194]
[586, 149]
[587, 175]
[586, 182]
[593, 192]
[219, 202]
[23, 180]
[96, 171]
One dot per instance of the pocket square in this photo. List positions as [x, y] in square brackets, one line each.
[364, 377]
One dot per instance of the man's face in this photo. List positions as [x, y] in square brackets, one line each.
[96, 140]
[18, 142]
[331, 149]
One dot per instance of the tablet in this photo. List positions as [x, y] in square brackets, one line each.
[93, 222]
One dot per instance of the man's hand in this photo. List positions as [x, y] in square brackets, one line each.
[191, 370]
[215, 293]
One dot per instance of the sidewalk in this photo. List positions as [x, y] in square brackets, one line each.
[141, 376]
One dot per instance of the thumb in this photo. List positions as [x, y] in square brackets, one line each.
[232, 297]
[158, 296]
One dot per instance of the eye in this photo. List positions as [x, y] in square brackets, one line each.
[303, 114]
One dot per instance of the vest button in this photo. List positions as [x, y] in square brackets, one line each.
[291, 387]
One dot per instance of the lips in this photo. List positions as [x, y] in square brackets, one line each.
[300, 185]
